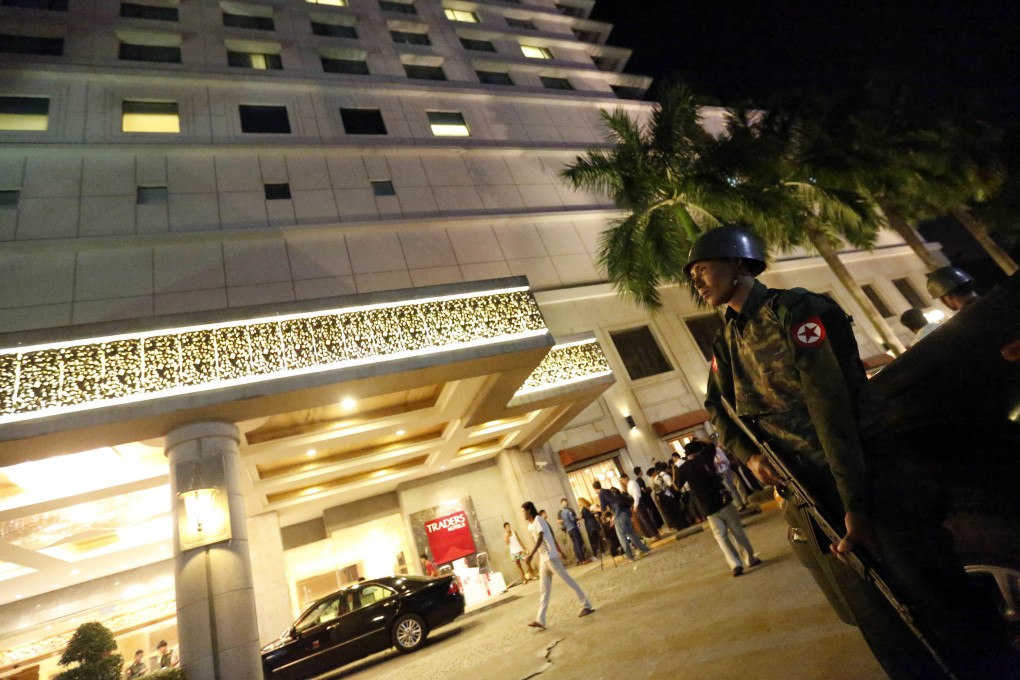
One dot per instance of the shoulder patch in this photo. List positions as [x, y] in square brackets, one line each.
[810, 333]
[715, 365]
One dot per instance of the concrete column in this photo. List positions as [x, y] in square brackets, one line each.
[269, 576]
[216, 619]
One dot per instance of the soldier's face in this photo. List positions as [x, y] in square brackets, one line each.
[714, 280]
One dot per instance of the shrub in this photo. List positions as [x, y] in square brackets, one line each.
[92, 647]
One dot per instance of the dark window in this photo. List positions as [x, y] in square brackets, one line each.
[264, 119]
[640, 353]
[570, 10]
[344, 66]
[625, 92]
[402, 7]
[477, 45]
[556, 83]
[9, 198]
[876, 300]
[334, 30]
[30, 44]
[586, 36]
[424, 72]
[604, 63]
[55, 5]
[383, 188]
[157, 53]
[910, 293]
[151, 195]
[262, 62]
[363, 121]
[277, 192]
[703, 329]
[520, 23]
[405, 38]
[494, 78]
[24, 114]
[246, 21]
[133, 11]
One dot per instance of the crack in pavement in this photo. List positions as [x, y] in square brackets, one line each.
[548, 661]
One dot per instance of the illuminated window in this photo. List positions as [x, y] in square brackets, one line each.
[363, 121]
[334, 3]
[461, 15]
[277, 192]
[424, 72]
[264, 119]
[383, 188]
[520, 23]
[556, 83]
[30, 44]
[9, 198]
[354, 66]
[54, 5]
[334, 30]
[448, 124]
[150, 117]
[255, 60]
[401, 7]
[155, 12]
[532, 52]
[494, 78]
[406, 38]
[24, 113]
[477, 45]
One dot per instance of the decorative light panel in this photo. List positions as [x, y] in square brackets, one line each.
[565, 364]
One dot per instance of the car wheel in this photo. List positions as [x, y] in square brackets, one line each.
[409, 633]
[1004, 584]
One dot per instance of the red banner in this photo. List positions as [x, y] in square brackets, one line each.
[450, 537]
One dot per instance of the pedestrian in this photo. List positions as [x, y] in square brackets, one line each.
[699, 471]
[918, 324]
[722, 467]
[662, 487]
[609, 531]
[562, 553]
[787, 360]
[637, 511]
[646, 504]
[953, 287]
[167, 658]
[621, 505]
[549, 563]
[591, 526]
[568, 520]
[138, 668]
[517, 552]
[428, 566]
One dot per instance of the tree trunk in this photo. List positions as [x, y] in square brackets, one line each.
[831, 258]
[912, 238]
[980, 233]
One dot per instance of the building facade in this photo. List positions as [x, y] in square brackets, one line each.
[317, 255]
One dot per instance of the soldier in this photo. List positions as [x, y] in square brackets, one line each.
[953, 286]
[788, 362]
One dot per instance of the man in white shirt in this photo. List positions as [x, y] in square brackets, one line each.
[549, 562]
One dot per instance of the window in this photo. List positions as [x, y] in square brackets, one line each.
[494, 78]
[402, 7]
[131, 10]
[372, 594]
[54, 5]
[277, 192]
[24, 113]
[151, 196]
[334, 3]
[406, 38]
[248, 21]
[167, 54]
[461, 15]
[30, 44]
[570, 10]
[877, 300]
[424, 72]
[261, 62]
[9, 198]
[355, 66]
[626, 92]
[640, 353]
[604, 63]
[323, 613]
[532, 52]
[703, 330]
[363, 121]
[520, 23]
[334, 30]
[150, 117]
[383, 188]
[448, 124]
[587, 36]
[556, 83]
[264, 119]
[910, 293]
[477, 45]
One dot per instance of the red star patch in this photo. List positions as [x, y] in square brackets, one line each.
[810, 333]
[715, 365]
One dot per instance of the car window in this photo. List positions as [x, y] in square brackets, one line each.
[324, 613]
[372, 594]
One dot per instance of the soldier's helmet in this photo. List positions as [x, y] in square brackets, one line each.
[730, 241]
[945, 280]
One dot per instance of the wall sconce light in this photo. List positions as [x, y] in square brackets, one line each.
[204, 515]
[199, 506]
[630, 422]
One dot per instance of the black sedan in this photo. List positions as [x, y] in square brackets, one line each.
[362, 619]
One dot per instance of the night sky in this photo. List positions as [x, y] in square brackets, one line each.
[733, 51]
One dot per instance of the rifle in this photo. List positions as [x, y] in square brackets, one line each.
[866, 572]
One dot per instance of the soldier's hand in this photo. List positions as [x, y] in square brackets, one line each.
[858, 531]
[759, 465]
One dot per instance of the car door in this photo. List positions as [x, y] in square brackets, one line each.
[319, 639]
[367, 627]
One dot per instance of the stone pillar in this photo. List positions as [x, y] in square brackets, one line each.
[216, 619]
[269, 576]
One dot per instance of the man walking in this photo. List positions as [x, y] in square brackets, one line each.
[568, 520]
[549, 562]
